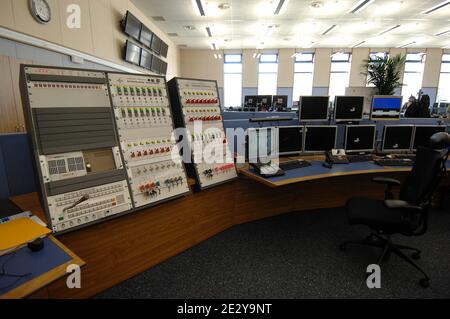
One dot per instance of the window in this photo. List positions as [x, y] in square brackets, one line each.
[303, 74]
[232, 70]
[340, 74]
[268, 74]
[413, 76]
[374, 55]
[444, 80]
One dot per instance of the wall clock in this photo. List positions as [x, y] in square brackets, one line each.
[41, 11]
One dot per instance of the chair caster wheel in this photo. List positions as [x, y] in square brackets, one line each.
[425, 282]
[343, 247]
[415, 256]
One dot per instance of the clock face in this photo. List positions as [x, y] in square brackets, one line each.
[41, 10]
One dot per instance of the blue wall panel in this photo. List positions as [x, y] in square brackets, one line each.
[320, 91]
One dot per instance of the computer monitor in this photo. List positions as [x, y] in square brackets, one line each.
[314, 108]
[132, 53]
[146, 36]
[360, 138]
[164, 49]
[386, 107]
[156, 65]
[290, 140]
[397, 138]
[146, 59]
[250, 101]
[423, 133]
[132, 26]
[320, 138]
[348, 108]
[156, 44]
[280, 102]
[264, 101]
[262, 144]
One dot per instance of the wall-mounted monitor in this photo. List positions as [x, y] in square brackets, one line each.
[348, 108]
[360, 138]
[132, 26]
[320, 138]
[132, 53]
[386, 107]
[397, 138]
[164, 49]
[146, 36]
[146, 59]
[163, 68]
[423, 133]
[156, 65]
[314, 108]
[156, 44]
[290, 140]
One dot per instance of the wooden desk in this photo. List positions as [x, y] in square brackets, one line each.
[47, 278]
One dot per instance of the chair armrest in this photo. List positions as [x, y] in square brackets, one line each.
[401, 204]
[386, 181]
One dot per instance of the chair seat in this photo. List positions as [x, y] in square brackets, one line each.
[373, 213]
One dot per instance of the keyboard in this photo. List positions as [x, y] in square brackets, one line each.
[394, 162]
[290, 165]
[411, 157]
[359, 158]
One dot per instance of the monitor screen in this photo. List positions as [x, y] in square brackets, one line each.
[132, 26]
[262, 144]
[360, 138]
[156, 44]
[280, 101]
[264, 100]
[156, 65]
[163, 69]
[397, 138]
[250, 101]
[146, 59]
[146, 36]
[164, 49]
[314, 108]
[320, 138]
[290, 140]
[132, 53]
[386, 107]
[422, 135]
[348, 108]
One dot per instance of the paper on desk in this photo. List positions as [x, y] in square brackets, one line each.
[20, 231]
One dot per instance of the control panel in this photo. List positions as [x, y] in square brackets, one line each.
[196, 107]
[145, 125]
[81, 173]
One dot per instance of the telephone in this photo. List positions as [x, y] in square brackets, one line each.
[268, 170]
[337, 156]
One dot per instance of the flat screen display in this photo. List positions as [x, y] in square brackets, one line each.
[397, 138]
[360, 138]
[349, 108]
[261, 144]
[146, 59]
[163, 69]
[164, 49]
[132, 26]
[386, 107]
[156, 44]
[320, 138]
[314, 108]
[132, 53]
[280, 101]
[250, 101]
[422, 135]
[290, 140]
[146, 36]
[156, 65]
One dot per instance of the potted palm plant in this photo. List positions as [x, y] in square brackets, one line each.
[385, 73]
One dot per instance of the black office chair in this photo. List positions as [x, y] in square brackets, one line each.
[408, 215]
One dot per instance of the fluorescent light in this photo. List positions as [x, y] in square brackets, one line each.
[359, 6]
[442, 33]
[199, 7]
[358, 44]
[329, 29]
[208, 32]
[436, 7]
[389, 29]
[214, 46]
[279, 7]
[407, 45]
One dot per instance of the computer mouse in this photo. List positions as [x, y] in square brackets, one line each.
[36, 245]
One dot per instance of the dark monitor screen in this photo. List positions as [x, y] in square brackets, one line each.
[146, 36]
[397, 138]
[132, 26]
[314, 108]
[261, 144]
[422, 135]
[163, 69]
[386, 107]
[132, 53]
[360, 138]
[164, 49]
[264, 100]
[280, 101]
[146, 59]
[250, 101]
[320, 138]
[349, 108]
[156, 44]
[290, 140]
[156, 65]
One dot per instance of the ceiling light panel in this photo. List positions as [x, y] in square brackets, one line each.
[437, 7]
[360, 5]
[327, 31]
[389, 29]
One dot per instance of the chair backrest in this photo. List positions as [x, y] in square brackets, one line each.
[424, 177]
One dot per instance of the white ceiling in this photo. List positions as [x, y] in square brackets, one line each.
[247, 23]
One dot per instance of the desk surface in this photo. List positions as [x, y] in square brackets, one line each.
[44, 267]
[317, 171]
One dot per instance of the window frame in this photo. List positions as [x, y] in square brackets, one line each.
[265, 72]
[227, 73]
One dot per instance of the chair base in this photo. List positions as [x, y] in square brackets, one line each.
[388, 247]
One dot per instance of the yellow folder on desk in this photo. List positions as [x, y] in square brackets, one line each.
[20, 231]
